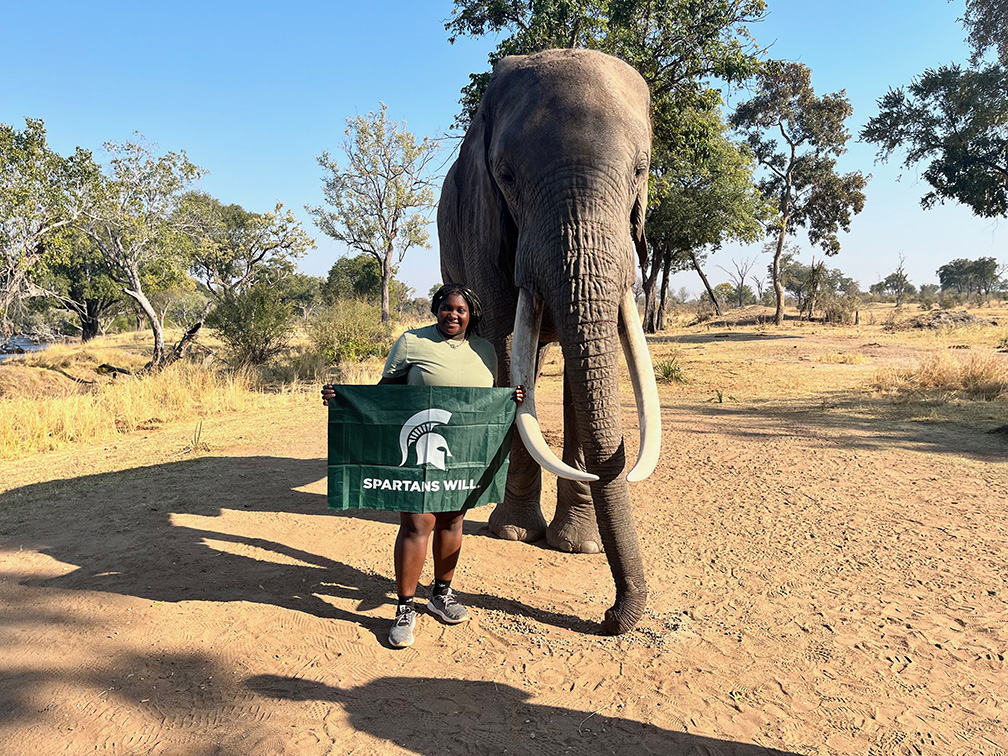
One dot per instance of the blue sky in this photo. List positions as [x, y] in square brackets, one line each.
[253, 91]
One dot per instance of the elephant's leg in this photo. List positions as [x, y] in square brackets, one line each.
[574, 527]
[519, 517]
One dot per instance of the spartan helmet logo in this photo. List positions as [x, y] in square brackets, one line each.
[431, 448]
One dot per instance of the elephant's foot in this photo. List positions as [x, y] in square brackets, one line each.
[575, 531]
[627, 610]
[513, 523]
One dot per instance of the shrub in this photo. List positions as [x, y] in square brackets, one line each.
[255, 325]
[670, 370]
[840, 310]
[349, 331]
[978, 376]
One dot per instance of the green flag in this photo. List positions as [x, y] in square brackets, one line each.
[419, 448]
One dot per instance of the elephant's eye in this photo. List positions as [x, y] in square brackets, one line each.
[642, 166]
[505, 176]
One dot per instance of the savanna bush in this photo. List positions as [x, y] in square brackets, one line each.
[975, 376]
[255, 325]
[348, 331]
[840, 310]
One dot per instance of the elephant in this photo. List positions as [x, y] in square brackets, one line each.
[541, 215]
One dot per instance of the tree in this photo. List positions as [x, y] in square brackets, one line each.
[303, 292]
[738, 279]
[987, 24]
[77, 276]
[41, 195]
[254, 322]
[796, 138]
[357, 277]
[966, 276]
[676, 45]
[382, 200]
[898, 283]
[701, 195]
[133, 222]
[231, 246]
[953, 120]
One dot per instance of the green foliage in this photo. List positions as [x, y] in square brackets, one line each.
[987, 24]
[254, 323]
[41, 194]
[969, 276]
[349, 331]
[796, 137]
[670, 370]
[839, 309]
[357, 277]
[954, 120]
[230, 246]
[381, 200]
[133, 221]
[676, 45]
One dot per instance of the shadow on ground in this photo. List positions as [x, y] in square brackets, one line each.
[850, 423]
[437, 716]
[117, 530]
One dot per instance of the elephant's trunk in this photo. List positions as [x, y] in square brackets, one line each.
[591, 356]
[591, 350]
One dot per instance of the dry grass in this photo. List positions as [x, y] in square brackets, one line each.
[948, 375]
[95, 411]
[843, 358]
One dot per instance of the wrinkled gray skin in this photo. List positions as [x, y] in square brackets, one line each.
[548, 193]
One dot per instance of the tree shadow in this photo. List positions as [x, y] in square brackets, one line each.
[443, 716]
[122, 534]
[849, 423]
[722, 335]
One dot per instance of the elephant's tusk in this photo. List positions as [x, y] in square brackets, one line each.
[644, 386]
[524, 348]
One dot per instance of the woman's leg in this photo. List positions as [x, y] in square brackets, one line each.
[411, 550]
[447, 543]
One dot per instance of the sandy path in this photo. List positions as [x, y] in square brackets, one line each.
[820, 584]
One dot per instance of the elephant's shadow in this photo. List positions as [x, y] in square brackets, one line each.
[446, 716]
[118, 530]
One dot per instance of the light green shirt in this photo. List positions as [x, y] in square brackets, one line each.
[426, 358]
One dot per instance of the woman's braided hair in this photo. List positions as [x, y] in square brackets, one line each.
[475, 307]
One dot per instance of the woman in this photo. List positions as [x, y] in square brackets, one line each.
[447, 353]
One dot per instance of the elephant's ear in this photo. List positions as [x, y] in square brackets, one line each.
[508, 248]
[637, 224]
[473, 216]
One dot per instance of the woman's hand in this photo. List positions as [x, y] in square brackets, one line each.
[328, 392]
[519, 394]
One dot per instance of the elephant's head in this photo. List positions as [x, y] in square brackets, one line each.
[554, 172]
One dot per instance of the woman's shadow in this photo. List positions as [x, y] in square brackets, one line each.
[444, 716]
[119, 531]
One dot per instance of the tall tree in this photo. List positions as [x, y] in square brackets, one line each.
[77, 276]
[41, 195]
[134, 224]
[701, 196]
[796, 138]
[381, 201]
[676, 45]
[987, 24]
[953, 119]
[231, 246]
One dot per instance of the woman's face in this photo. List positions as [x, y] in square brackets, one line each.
[453, 316]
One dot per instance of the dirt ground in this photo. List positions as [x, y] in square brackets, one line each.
[823, 581]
